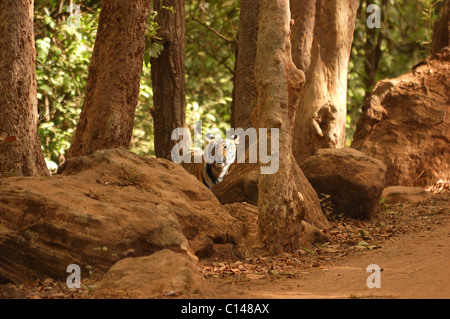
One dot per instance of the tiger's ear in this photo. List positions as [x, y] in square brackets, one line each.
[235, 138]
[208, 139]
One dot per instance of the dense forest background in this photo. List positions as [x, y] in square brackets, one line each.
[64, 53]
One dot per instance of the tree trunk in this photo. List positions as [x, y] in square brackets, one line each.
[372, 48]
[441, 30]
[168, 76]
[20, 149]
[278, 84]
[321, 117]
[304, 15]
[112, 89]
[244, 90]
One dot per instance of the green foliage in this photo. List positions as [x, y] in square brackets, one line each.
[131, 175]
[211, 30]
[428, 14]
[62, 62]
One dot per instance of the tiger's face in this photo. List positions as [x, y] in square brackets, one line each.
[220, 152]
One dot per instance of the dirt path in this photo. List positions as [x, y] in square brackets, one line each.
[413, 265]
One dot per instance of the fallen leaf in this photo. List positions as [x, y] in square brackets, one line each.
[363, 243]
[254, 276]
[172, 293]
[327, 250]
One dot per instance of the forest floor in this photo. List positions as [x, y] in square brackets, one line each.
[409, 242]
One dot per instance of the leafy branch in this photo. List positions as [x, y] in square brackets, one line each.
[222, 62]
[213, 30]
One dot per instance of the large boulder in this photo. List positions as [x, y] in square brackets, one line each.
[102, 208]
[406, 124]
[163, 274]
[353, 180]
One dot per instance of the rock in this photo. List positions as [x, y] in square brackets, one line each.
[241, 185]
[163, 274]
[353, 180]
[102, 208]
[406, 124]
[247, 214]
[312, 235]
[397, 194]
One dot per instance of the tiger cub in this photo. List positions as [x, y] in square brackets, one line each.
[220, 154]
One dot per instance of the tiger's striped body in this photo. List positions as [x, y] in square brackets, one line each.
[212, 170]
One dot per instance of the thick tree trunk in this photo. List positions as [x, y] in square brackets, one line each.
[278, 84]
[20, 149]
[321, 117]
[168, 76]
[441, 30]
[112, 89]
[244, 90]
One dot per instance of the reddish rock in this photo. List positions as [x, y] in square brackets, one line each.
[353, 180]
[163, 274]
[406, 124]
[102, 208]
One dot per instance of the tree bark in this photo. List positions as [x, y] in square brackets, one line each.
[20, 149]
[304, 15]
[441, 30]
[321, 117]
[372, 48]
[244, 90]
[278, 84]
[112, 89]
[168, 76]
